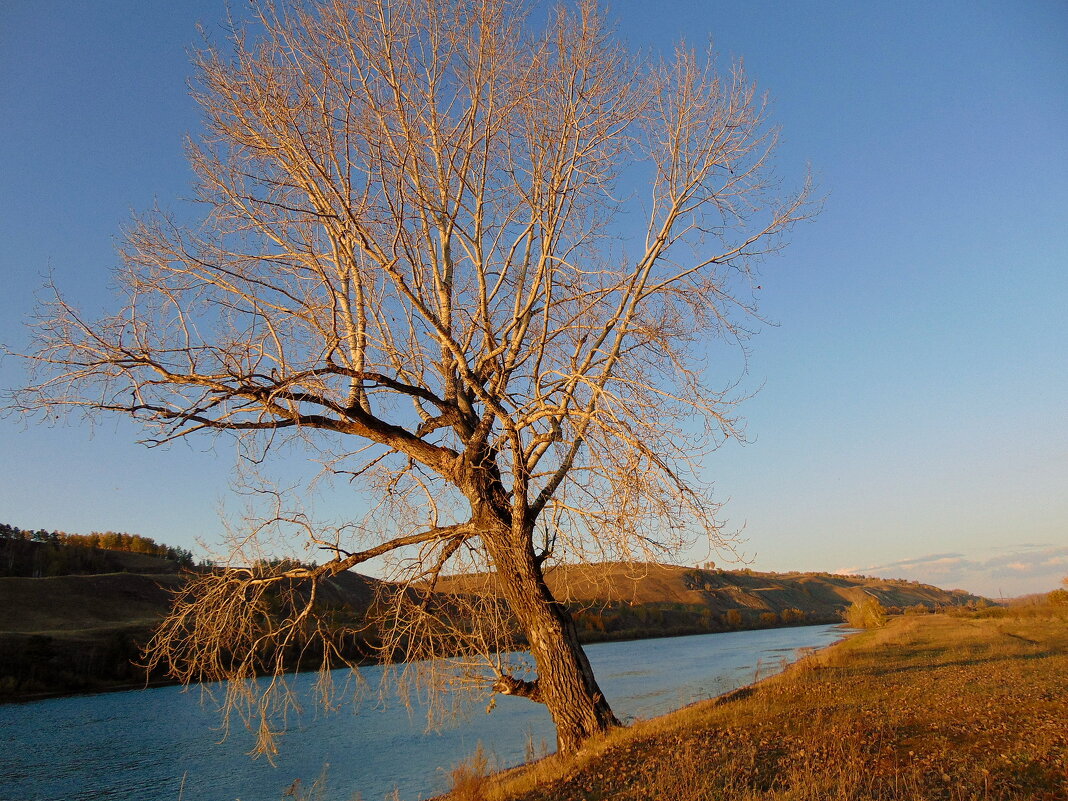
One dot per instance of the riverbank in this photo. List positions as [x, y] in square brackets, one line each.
[966, 706]
[78, 634]
[84, 651]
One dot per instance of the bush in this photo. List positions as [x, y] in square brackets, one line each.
[1058, 598]
[792, 615]
[867, 613]
[469, 779]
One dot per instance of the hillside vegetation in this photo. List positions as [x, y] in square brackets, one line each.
[36, 554]
[75, 609]
[82, 631]
[618, 600]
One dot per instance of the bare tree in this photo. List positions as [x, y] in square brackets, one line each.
[491, 252]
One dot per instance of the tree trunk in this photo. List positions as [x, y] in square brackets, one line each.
[565, 684]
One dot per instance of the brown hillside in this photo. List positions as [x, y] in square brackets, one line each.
[144, 563]
[67, 604]
[816, 594]
[353, 590]
[80, 633]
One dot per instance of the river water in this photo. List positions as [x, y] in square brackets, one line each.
[163, 744]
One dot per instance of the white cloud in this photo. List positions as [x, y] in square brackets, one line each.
[1008, 570]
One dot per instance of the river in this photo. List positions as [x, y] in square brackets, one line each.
[163, 744]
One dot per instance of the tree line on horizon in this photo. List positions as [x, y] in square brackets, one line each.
[42, 553]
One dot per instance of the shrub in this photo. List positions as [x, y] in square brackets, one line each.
[792, 615]
[469, 779]
[866, 613]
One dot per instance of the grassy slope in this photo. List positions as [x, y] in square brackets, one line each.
[64, 605]
[85, 630]
[83, 633]
[929, 707]
[720, 591]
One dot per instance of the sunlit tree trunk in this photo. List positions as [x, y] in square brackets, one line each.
[565, 682]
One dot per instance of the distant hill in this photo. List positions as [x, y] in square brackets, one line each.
[82, 632]
[625, 600]
[73, 607]
[41, 553]
[721, 590]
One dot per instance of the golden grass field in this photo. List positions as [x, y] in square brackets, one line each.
[970, 706]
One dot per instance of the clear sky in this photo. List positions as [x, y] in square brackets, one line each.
[912, 417]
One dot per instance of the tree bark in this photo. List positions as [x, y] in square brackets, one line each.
[565, 683]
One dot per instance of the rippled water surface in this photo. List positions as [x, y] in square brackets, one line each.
[163, 744]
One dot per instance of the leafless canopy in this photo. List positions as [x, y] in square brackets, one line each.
[490, 249]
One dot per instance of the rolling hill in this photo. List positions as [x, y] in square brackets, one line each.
[81, 633]
[630, 600]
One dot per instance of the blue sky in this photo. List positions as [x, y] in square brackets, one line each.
[911, 415]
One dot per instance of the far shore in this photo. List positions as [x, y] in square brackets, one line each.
[118, 687]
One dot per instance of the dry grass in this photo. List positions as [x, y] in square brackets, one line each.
[931, 707]
[83, 603]
[470, 780]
